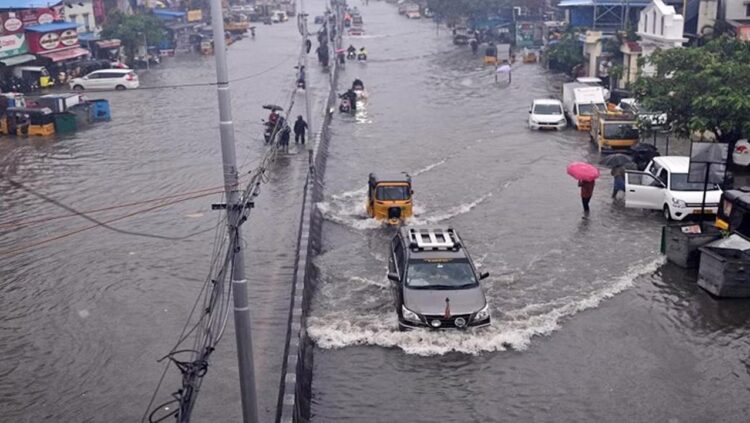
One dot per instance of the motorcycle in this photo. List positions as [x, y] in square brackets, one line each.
[362, 57]
[351, 55]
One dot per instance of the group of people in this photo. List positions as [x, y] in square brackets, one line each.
[587, 187]
[276, 124]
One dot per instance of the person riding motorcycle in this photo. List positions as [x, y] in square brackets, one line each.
[351, 96]
[362, 54]
[351, 52]
[358, 84]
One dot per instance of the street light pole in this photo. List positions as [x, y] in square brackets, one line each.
[234, 212]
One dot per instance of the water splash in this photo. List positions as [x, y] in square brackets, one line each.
[513, 329]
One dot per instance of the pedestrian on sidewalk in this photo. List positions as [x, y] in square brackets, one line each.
[300, 127]
[284, 140]
[587, 191]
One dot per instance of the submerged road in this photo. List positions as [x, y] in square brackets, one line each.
[84, 318]
[589, 323]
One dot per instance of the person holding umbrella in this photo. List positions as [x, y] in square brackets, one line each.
[618, 162]
[586, 175]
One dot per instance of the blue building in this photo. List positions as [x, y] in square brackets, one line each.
[608, 16]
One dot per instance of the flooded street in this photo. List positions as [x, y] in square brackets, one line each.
[85, 312]
[589, 323]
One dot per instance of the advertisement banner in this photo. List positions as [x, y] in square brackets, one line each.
[12, 45]
[10, 24]
[46, 42]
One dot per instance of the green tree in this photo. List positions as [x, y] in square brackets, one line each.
[704, 88]
[566, 54]
[132, 30]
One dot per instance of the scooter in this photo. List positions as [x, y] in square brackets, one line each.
[351, 55]
[362, 57]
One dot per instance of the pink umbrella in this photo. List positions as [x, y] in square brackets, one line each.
[583, 171]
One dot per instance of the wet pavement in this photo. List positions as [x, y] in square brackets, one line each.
[86, 312]
[589, 322]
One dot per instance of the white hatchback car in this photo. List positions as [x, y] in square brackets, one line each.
[547, 114]
[106, 79]
[664, 186]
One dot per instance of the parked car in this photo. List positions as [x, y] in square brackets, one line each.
[741, 153]
[664, 186]
[653, 119]
[434, 282]
[106, 79]
[547, 114]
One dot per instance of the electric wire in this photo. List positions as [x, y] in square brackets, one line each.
[210, 327]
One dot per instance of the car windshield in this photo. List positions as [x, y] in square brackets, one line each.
[440, 274]
[620, 131]
[588, 109]
[392, 193]
[547, 109]
[679, 182]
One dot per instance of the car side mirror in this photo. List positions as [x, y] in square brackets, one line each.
[484, 275]
[393, 277]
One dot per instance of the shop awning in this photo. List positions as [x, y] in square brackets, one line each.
[17, 60]
[114, 43]
[67, 54]
[168, 14]
[50, 27]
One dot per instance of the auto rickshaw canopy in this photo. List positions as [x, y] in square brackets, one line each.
[395, 178]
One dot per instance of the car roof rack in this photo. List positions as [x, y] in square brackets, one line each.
[433, 239]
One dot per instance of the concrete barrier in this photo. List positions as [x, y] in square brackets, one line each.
[296, 378]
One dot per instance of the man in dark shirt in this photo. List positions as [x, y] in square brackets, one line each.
[300, 126]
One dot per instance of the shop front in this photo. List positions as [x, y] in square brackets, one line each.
[57, 48]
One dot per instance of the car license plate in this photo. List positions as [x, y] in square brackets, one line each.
[698, 211]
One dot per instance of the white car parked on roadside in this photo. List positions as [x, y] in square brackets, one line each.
[664, 186]
[106, 79]
[547, 114]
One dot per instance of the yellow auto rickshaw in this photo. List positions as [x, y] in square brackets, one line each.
[37, 74]
[28, 121]
[734, 211]
[389, 197]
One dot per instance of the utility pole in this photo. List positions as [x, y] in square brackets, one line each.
[234, 212]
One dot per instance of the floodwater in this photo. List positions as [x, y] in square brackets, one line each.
[86, 312]
[589, 323]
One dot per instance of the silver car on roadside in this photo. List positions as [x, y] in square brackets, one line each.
[434, 281]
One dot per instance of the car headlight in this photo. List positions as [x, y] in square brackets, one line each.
[562, 121]
[409, 315]
[483, 314]
[678, 203]
[532, 121]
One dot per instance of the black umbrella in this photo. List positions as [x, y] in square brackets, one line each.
[643, 148]
[272, 107]
[616, 160]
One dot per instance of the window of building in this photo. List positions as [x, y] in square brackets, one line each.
[645, 22]
[86, 22]
[72, 18]
[662, 25]
[653, 25]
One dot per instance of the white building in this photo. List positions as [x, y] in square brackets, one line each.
[660, 27]
[81, 12]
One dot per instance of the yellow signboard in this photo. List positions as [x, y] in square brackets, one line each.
[194, 15]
